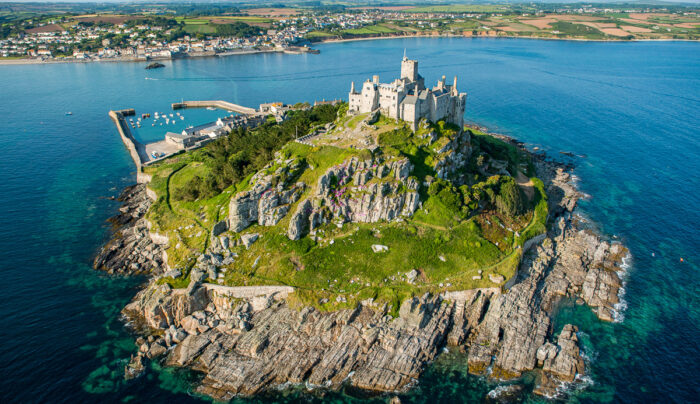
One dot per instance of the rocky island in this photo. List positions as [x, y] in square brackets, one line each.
[154, 65]
[355, 254]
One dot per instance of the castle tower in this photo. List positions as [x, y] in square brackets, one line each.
[409, 69]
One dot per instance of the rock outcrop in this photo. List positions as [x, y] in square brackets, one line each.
[453, 156]
[131, 249]
[560, 363]
[570, 262]
[358, 191]
[270, 196]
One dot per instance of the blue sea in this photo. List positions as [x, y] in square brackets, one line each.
[631, 111]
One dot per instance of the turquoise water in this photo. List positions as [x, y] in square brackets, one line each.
[630, 108]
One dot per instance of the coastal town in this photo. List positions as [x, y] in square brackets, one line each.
[157, 34]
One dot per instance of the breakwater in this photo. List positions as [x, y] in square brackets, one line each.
[229, 106]
[136, 149]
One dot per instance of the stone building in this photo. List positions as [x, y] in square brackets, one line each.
[407, 98]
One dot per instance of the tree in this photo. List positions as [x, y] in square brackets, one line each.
[509, 200]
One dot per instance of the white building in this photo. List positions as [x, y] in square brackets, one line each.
[407, 98]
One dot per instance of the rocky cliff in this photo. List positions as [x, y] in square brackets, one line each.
[453, 155]
[354, 191]
[358, 191]
[248, 344]
[270, 196]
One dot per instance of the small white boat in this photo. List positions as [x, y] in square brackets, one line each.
[211, 109]
[69, 113]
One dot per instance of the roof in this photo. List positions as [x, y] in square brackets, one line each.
[201, 127]
[410, 99]
[176, 135]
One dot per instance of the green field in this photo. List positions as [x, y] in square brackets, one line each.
[370, 30]
[207, 20]
[319, 34]
[205, 28]
[458, 8]
[567, 28]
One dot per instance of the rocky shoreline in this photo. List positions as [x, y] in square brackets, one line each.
[131, 249]
[247, 340]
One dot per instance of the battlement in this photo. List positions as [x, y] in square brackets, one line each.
[407, 98]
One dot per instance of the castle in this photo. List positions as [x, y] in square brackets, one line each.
[407, 98]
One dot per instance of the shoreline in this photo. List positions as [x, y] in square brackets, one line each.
[24, 61]
[204, 329]
[506, 37]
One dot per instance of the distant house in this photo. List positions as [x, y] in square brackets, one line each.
[271, 107]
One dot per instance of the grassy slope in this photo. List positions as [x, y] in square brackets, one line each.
[346, 271]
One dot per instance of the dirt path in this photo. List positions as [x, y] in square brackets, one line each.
[527, 185]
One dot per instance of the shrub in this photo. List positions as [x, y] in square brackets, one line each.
[509, 200]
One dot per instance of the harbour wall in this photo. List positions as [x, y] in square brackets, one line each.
[215, 104]
[130, 142]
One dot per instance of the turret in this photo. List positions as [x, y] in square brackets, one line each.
[409, 69]
[441, 83]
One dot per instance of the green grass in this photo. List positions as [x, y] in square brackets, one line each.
[350, 269]
[370, 30]
[319, 34]
[205, 28]
[572, 29]
[448, 248]
[538, 225]
[352, 122]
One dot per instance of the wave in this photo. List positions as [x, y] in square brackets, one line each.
[621, 306]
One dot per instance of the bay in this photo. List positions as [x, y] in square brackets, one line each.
[631, 109]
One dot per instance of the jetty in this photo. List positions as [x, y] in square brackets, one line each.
[136, 149]
[225, 105]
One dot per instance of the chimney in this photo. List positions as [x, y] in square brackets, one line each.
[454, 87]
[352, 86]
[375, 79]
